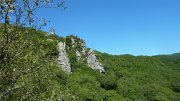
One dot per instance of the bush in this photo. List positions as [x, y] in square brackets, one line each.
[108, 82]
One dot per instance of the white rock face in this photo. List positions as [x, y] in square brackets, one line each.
[93, 62]
[63, 60]
[81, 54]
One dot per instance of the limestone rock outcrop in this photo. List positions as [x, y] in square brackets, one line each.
[77, 46]
[63, 59]
[93, 62]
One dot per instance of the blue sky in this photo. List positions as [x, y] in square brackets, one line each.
[137, 27]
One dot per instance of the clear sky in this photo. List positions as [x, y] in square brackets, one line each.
[137, 27]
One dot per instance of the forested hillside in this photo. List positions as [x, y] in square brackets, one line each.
[33, 74]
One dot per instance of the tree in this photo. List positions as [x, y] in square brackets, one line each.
[17, 53]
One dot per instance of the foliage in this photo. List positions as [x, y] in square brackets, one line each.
[25, 56]
[127, 78]
[35, 75]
